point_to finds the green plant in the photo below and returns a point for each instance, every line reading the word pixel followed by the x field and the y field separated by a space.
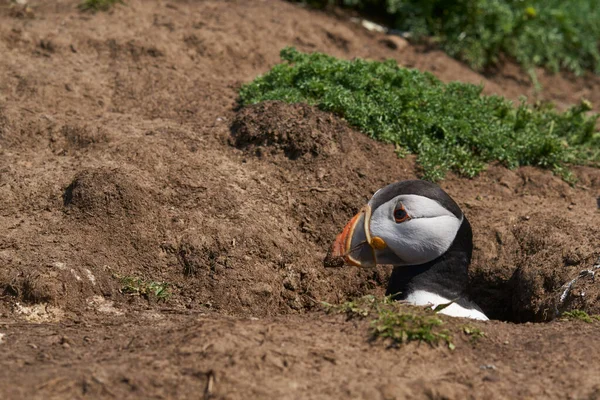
pixel 406 327
pixel 551 33
pixel 391 321
pixel 360 307
pixel 449 126
pixel 98 5
pixel 473 333
pixel 580 315
pixel 140 287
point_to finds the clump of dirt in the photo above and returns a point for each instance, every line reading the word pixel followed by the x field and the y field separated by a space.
pixel 3 123
pixel 75 137
pixel 56 283
pixel 194 259
pixel 297 130
pixel 106 192
pixel 38 287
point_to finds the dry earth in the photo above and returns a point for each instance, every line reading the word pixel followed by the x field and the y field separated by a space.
pixel 123 154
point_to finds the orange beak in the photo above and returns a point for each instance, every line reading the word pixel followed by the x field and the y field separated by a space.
pixel 343 241
pixel 355 246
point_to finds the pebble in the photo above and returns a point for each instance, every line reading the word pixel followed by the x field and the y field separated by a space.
pixel 394 42
pixel 372 26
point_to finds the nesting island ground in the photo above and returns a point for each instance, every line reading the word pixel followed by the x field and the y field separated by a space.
pixel 154 245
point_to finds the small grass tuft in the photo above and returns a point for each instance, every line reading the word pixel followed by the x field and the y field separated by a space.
pixel 473 333
pixel 580 315
pixel 98 5
pixel 140 287
pixel 390 321
pixel 361 307
pixel 404 327
pixel 449 126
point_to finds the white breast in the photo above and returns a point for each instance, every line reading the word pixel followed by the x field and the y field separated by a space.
pixel 424 298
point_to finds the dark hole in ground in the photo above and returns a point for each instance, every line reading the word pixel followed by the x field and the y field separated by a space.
pixel 537 292
pixel 544 268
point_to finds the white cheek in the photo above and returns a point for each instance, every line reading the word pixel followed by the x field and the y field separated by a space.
pixel 419 240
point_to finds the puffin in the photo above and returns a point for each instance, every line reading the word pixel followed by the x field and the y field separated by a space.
pixel 419 229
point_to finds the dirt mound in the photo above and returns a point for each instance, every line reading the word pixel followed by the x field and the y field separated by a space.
pixel 106 192
pixel 77 137
pixel 297 130
pixel 199 233
pixel 66 287
pixel 3 123
pixel 110 211
pixel 334 170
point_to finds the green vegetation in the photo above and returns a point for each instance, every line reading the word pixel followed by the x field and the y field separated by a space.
pixel 449 126
pixel 390 321
pixel 580 315
pixel 473 333
pixel 554 34
pixel 403 327
pixel 98 5
pixel 140 287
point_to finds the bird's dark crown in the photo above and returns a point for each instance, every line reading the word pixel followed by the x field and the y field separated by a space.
pixel 416 187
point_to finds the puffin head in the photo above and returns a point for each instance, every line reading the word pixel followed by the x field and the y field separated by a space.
pixel 406 223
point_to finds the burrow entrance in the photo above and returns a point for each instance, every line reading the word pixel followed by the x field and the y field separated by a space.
pixel 536 253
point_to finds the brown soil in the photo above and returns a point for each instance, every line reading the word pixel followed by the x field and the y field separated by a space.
pixel 123 155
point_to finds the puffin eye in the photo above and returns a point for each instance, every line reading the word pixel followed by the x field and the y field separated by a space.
pixel 400 214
